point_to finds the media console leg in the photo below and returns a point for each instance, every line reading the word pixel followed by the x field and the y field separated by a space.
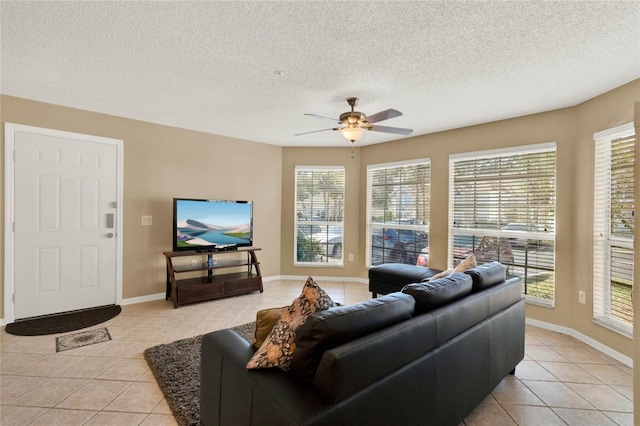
pixel 168 289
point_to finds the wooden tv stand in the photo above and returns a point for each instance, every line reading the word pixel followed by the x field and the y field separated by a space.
pixel 212 286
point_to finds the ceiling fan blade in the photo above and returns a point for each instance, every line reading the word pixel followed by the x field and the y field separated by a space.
pixel 396 130
pixel 383 115
pixel 324 118
pixel 315 131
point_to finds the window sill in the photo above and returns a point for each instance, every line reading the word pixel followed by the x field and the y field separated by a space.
pixel 545 303
pixel 318 265
pixel 619 329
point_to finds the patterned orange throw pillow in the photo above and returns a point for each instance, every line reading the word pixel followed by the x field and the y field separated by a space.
pixel 278 347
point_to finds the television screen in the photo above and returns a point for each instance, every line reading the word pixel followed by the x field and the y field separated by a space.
pixel 209 225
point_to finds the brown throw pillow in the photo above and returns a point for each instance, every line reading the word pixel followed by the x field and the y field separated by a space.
pixel 265 320
pixel 278 347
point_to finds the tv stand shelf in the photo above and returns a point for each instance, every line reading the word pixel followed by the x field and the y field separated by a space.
pixel 212 286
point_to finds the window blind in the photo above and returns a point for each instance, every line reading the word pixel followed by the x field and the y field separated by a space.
pixel 614 206
pixel 502 208
pixel 398 199
pixel 319 216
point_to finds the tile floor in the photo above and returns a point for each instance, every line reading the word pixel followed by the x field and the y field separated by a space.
pixel 561 380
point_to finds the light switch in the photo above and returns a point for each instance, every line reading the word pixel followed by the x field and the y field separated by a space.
pixel 582 297
pixel 147 220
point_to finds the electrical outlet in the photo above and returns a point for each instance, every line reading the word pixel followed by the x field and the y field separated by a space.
pixel 350 257
pixel 147 220
pixel 582 297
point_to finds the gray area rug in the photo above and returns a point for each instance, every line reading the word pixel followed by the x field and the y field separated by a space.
pixel 176 367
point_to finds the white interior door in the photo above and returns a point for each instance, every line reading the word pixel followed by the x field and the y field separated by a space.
pixel 65 219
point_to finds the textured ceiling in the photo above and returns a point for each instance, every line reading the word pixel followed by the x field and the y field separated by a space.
pixel 211 66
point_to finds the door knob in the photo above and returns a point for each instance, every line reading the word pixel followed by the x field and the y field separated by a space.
pixel 110 235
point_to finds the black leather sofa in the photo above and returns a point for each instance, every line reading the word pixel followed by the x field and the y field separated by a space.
pixel 425 356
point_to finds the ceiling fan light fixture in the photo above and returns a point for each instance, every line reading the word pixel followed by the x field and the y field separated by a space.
pixel 351 134
pixel 354 123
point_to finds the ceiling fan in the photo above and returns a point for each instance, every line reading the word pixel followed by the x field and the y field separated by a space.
pixel 354 123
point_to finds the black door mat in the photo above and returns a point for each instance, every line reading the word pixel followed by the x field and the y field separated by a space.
pixel 63 323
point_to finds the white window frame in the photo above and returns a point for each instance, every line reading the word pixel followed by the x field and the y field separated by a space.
pixel 499 233
pixel 326 259
pixel 370 225
pixel 603 241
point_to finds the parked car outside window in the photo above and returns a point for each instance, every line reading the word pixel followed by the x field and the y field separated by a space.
pixel 525 241
pixel 395 245
pixel 487 250
pixel 330 237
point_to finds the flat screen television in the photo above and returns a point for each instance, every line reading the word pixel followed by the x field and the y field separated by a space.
pixel 211 225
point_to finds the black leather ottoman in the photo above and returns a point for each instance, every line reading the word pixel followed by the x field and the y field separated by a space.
pixel 391 277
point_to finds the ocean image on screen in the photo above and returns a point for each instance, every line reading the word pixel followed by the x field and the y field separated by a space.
pixel 212 223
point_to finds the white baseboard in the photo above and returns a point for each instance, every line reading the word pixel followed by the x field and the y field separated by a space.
pixel 583 338
pixel 142 299
pixel 536 323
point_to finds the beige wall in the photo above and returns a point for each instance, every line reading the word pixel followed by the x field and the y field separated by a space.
pixel 162 162
pixel 603 112
pixel 570 128
pixel 153 177
pixel 292 157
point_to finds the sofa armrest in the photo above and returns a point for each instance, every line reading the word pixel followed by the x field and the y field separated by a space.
pixel 232 395
pixel 221 350
pixel 228 342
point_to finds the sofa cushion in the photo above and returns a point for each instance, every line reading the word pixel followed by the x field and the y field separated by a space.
pixel 331 328
pixel 279 345
pixel 435 293
pixel 486 275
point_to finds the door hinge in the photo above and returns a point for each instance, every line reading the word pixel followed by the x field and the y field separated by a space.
pixel 13 298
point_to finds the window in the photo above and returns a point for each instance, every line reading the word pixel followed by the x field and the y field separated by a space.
pixel 502 207
pixel 398 212
pixel 319 216
pixel 613 227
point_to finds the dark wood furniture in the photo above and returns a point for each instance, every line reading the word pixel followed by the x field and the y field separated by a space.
pixel 213 285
